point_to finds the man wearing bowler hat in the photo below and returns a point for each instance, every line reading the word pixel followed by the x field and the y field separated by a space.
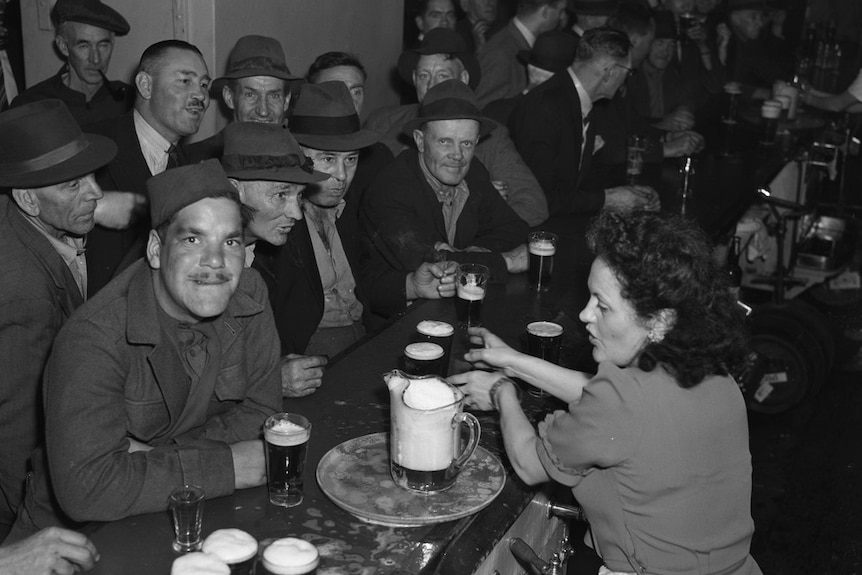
pixel 46 210
pixel 503 76
pixel 84 36
pixel 441 56
pixel 270 171
pixel 256 88
pixel 590 14
pixel 437 201
pixel 167 375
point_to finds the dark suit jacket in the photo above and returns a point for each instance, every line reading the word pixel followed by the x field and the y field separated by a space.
pixel 546 126
pixel 503 75
pixel 206 149
pixel 403 220
pixel 37 296
pixel 109 251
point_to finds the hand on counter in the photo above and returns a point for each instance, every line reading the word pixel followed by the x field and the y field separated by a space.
pixel 432 281
pixel 301 375
pixel 249 463
pixel 494 353
pixel 198 563
pixel 632 198
pixel 118 210
pixel 52 550
pixel 684 143
pixel 517 259
pixel 477 386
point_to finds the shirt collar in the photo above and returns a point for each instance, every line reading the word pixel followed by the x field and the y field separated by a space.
pixel 586 102
pixel 441 190
pixel 333 213
pixel 528 36
pixel 68 247
pixel 149 134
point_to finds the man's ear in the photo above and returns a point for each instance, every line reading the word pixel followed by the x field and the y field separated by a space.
pixel 62 45
pixel 239 189
pixel 154 250
pixel 227 96
pixel 465 77
pixel 144 85
pixel 419 138
pixel 28 201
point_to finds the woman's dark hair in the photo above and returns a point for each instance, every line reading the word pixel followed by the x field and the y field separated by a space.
pixel 664 261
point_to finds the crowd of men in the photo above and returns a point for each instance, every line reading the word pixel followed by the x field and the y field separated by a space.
pixel 160 299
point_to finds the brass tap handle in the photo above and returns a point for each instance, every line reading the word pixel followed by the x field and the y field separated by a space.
pixel 567 512
pixel 526 557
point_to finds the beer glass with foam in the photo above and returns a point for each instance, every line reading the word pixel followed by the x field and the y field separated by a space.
pixel 542 247
pixel 235 547
pixel 286 436
pixel 544 340
pixel 426 453
pixel 289 556
pixel 438 332
pixel 472 281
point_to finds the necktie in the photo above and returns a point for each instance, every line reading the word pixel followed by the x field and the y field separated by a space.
pixel 584 130
pixel 173 157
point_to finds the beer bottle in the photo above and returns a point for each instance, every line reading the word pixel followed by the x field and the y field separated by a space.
pixel 734 271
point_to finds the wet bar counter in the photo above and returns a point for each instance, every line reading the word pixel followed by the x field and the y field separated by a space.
pixel 353 402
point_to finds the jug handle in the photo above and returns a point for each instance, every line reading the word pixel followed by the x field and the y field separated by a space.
pixel 472 442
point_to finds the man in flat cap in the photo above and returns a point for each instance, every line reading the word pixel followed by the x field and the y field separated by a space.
pixel 441 56
pixel 84 36
pixel 503 76
pixel 256 88
pixel 438 201
pixel 269 169
pixel 171 96
pixel 47 164
pixel 167 375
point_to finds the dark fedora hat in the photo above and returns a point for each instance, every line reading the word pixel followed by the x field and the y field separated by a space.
pixel 174 189
pixel 450 100
pixel 593 7
pixel 257 151
pixel 41 144
pixel 255 56
pixel 553 51
pixel 326 119
pixel 440 41
pixel 665 27
pixel 748 5
pixel 90 12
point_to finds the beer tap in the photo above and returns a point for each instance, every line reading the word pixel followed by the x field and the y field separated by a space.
pixel 532 563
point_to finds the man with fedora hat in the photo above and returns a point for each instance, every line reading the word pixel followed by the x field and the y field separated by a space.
pixel 255 88
pixel 167 375
pixel 441 56
pixel 84 36
pixel 269 170
pixel 552 53
pixel 47 164
pixel 317 271
pixel 438 200
pixel 503 76
pixel 552 129
pixel 172 96
pixel 590 14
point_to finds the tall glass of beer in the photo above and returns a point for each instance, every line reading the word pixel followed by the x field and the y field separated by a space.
pixel 472 281
pixel 286 436
pixel 544 340
pixel 542 247
pixel 441 333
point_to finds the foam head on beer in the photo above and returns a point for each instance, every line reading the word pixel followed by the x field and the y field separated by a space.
pixel 283 432
pixel 424 351
pixel 230 545
pixel 545 329
pixel 290 556
pixel 471 292
pixel 429 393
pixel 435 328
pixel 542 247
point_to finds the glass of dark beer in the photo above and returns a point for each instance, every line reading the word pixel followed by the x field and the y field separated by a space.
pixel 438 332
pixel 472 281
pixel 423 358
pixel 544 340
pixel 286 436
pixel 542 247
pixel 235 547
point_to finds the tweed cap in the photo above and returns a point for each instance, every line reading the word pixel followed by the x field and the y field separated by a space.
pixel 90 12
pixel 174 189
pixel 41 145
pixel 257 151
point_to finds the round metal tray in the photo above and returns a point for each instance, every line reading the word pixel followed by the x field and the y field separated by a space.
pixel 355 476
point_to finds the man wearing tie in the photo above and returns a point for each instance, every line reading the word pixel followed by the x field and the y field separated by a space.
pixel 551 127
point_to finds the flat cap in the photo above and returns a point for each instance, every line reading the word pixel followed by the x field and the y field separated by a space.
pixel 90 12
pixel 174 189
